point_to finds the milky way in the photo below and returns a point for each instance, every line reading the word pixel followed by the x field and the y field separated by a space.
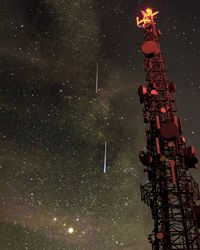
pixel 54 194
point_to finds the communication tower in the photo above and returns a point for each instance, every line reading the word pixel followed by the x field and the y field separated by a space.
pixel 171 192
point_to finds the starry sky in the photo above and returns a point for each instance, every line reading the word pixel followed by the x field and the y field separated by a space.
pixel 54 194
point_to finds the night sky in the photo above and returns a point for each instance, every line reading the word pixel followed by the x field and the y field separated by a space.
pixel 54 194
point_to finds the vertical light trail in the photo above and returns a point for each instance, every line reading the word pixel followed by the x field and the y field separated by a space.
pixel 97 78
pixel 105 159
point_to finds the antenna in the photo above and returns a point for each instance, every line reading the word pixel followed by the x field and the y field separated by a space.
pixel 148 17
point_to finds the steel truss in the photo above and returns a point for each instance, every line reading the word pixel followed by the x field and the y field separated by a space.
pixel 171 192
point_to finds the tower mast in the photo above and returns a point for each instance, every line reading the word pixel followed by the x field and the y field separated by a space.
pixel 171 192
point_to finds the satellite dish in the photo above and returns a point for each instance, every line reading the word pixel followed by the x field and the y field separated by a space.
pixel 150 48
pixel 169 131
pixel 160 235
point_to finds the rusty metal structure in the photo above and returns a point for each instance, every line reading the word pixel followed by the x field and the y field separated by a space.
pixel 171 192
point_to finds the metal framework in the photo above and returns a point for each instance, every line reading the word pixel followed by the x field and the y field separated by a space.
pixel 171 192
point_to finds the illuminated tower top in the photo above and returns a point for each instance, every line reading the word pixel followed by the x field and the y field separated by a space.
pixel 148 17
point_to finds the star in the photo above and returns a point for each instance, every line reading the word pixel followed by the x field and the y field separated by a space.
pixel 70 230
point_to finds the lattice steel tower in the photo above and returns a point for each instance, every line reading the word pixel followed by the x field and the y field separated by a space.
pixel 171 192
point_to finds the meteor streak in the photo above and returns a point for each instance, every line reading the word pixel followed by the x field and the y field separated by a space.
pixel 97 78
pixel 105 159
